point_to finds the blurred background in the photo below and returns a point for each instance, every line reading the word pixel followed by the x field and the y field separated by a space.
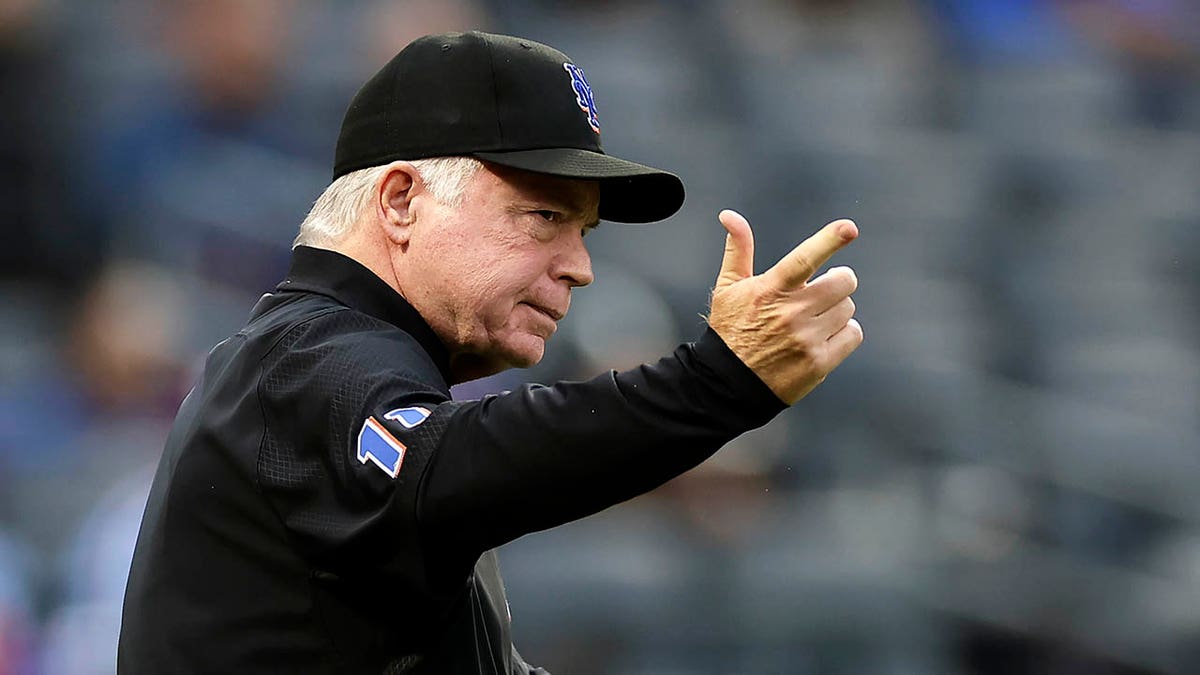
pixel 1004 479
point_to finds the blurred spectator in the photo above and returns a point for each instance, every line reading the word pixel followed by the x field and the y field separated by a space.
pixel 100 411
pixel 81 634
pixel 1005 32
pixel 391 24
pixel 726 502
pixel 17 634
pixel 37 207
pixel 1158 42
pixel 206 176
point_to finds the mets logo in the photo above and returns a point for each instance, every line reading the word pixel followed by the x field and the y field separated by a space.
pixel 583 94
pixel 377 445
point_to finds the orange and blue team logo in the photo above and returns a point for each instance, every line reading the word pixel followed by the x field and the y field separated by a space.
pixel 377 445
pixel 408 417
pixel 583 95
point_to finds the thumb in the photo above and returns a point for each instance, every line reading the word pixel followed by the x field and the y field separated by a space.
pixel 738 262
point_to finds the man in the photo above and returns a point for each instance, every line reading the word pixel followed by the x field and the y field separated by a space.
pixel 322 505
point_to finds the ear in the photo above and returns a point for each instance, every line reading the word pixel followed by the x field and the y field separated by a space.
pixel 394 200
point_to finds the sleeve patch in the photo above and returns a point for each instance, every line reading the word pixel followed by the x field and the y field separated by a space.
pixel 408 417
pixel 377 444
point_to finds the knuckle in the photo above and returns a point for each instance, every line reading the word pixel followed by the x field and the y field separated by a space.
pixel 759 302
pixel 823 365
pixel 802 263
pixel 807 355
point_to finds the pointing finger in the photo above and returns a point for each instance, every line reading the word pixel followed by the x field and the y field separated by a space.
pixel 738 262
pixel 798 266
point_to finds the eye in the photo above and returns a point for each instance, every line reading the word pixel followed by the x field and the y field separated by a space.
pixel 547 215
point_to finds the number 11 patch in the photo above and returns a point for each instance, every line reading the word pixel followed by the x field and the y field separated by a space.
pixel 377 444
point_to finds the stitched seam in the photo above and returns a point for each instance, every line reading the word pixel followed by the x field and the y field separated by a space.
pixel 495 98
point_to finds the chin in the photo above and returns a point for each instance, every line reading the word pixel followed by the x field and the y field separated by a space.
pixel 523 353
pixel 527 353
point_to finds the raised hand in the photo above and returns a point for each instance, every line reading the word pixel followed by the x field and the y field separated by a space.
pixel 789 328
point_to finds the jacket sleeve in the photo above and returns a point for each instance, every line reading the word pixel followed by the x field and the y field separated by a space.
pixel 541 456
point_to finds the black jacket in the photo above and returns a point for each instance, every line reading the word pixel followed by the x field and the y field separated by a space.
pixel 323 506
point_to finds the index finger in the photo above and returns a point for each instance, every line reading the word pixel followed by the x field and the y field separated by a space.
pixel 802 262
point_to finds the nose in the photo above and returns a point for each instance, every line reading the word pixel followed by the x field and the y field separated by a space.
pixel 575 263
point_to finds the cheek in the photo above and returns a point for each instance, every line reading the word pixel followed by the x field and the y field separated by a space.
pixel 482 296
pixel 478 280
pixel 486 295
pixel 499 292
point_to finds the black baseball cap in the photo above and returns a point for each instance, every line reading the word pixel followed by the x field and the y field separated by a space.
pixel 501 99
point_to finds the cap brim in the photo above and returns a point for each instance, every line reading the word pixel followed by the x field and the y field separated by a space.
pixel 629 192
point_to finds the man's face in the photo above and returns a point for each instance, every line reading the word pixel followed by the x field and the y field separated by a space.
pixel 494 275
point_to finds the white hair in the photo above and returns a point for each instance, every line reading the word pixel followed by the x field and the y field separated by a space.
pixel 340 206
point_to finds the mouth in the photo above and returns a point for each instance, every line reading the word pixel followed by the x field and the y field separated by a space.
pixel 553 314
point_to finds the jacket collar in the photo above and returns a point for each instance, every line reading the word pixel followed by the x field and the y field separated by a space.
pixel 347 281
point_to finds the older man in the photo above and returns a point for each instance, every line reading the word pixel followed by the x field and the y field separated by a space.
pixel 322 505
